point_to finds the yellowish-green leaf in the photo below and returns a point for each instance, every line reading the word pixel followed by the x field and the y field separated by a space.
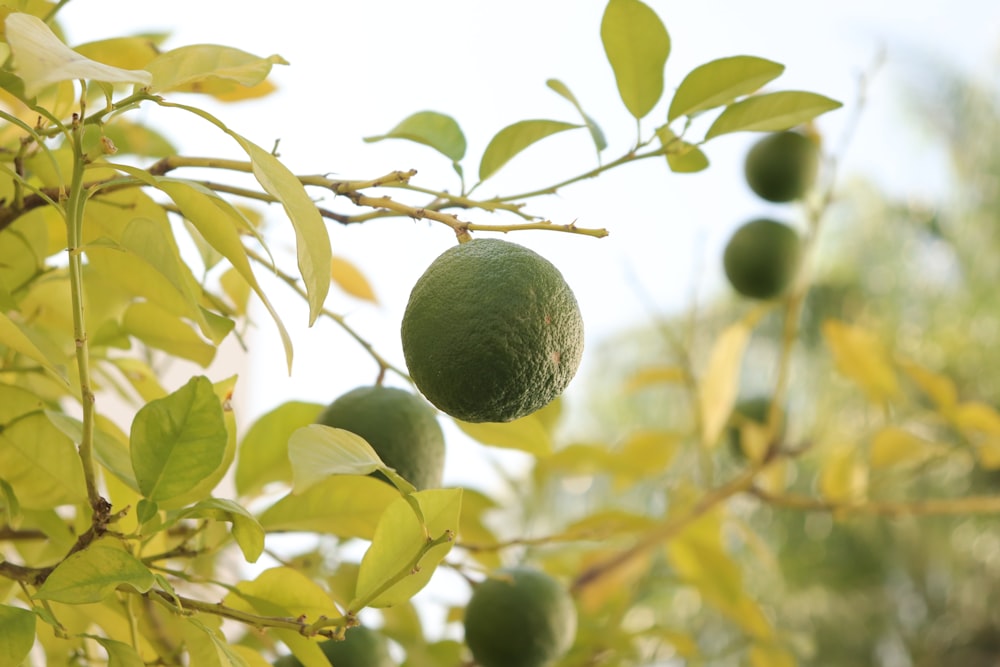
pixel 699 557
pixel 125 52
pixel 14 338
pixel 578 458
pixel 120 654
pixel 980 424
pixel 17 634
pixel 247 531
pixel 142 378
pixel 771 655
pixel 350 279
pixel 720 384
pixel 108 451
pixel 893 446
pixel 159 329
pixel 94 573
pixel 860 356
pixel 595 130
pixel 654 375
pixel 720 82
pixel 527 434
pixel 209 68
pixel 607 524
pixel 939 388
pixel 263 455
pixel 473 528
pixel 682 157
pixel 613 586
pixel 344 505
pixel 41 59
pixel 207 646
pixel 430 128
pixel 843 477
pixel 637 46
pixel 398 563
pixel 771 112
pixel 513 139
pixel 644 454
pixel 177 441
pixel 317 451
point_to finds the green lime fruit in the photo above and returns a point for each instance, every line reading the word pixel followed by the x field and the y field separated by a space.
pixel 400 426
pixel 761 258
pixel 361 647
pixel 521 617
pixel 491 332
pixel 782 166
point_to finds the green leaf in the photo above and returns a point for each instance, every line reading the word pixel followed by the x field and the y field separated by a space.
pixel 317 451
pixel 209 68
pixel 771 112
pixel 13 337
pixel 513 139
pixel 682 157
pixel 344 505
pixel 721 81
pixel 17 634
pixel 159 329
pixel 527 434
pixel 387 575
pixel 178 440
pixel 94 573
pixel 10 507
pixel 120 654
pixel 247 531
pixel 595 131
pixel 263 455
pixel 41 58
pixel 430 128
pixel 108 451
pixel 637 46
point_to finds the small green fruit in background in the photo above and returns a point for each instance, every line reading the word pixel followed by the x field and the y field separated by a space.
pixel 761 258
pixel 399 425
pixel 491 332
pixel 782 166
pixel 521 617
pixel 361 647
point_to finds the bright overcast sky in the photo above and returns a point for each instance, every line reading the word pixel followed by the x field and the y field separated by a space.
pixel 358 68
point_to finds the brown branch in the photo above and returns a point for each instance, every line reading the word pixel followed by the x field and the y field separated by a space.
pixel 14 535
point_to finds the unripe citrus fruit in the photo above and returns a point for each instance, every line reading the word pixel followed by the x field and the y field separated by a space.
pixel 399 425
pixel 491 332
pixel 361 647
pixel 782 166
pixel 761 258
pixel 522 617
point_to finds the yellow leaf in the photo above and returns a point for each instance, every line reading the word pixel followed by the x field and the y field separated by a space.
pixel 843 477
pixel 980 423
pixel 719 386
pixel 652 375
pixel 774 477
pixel 643 454
pixel 350 279
pixel 860 356
pixel 527 434
pixel 771 655
pixel 620 581
pixel 939 388
pixel 892 446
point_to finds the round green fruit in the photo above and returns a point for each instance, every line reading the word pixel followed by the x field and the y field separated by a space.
pixel 491 332
pixel 361 647
pixel 400 426
pixel 521 617
pixel 761 258
pixel 782 167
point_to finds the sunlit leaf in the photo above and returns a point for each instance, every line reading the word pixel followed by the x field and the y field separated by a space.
pixel 350 279
pixel 654 375
pixel 263 454
pixel 860 356
pixel 980 423
pixel 209 68
pixel 771 112
pixel 159 329
pixel 108 451
pixel 247 531
pixel 527 434
pixel 430 128
pixel 620 582
pixel 343 505
pixel 317 451
pixel 398 542
pixel 126 52
pixel 595 130
pixel 207 646
pixel 939 388
pixel 893 446
pixel 637 46
pixel 92 574
pixel 120 654
pixel 513 139
pixel 644 453
pixel 14 338
pixel 771 655
pixel 17 634
pixel 41 59
pixel 578 459
pixel 843 476
pixel 682 157
pixel 720 82
pixel 178 440
pixel 720 384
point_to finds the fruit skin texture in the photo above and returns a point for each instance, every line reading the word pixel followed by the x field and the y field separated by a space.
pixel 399 425
pixel 491 332
pixel 361 647
pixel 520 618
pixel 782 167
pixel 761 258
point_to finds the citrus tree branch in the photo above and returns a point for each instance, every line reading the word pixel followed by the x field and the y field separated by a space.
pixel 901 508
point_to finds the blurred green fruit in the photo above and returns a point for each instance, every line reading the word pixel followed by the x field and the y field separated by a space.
pixel 761 258
pixel 782 167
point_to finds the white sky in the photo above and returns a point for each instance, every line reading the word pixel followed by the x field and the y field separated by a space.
pixel 357 68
